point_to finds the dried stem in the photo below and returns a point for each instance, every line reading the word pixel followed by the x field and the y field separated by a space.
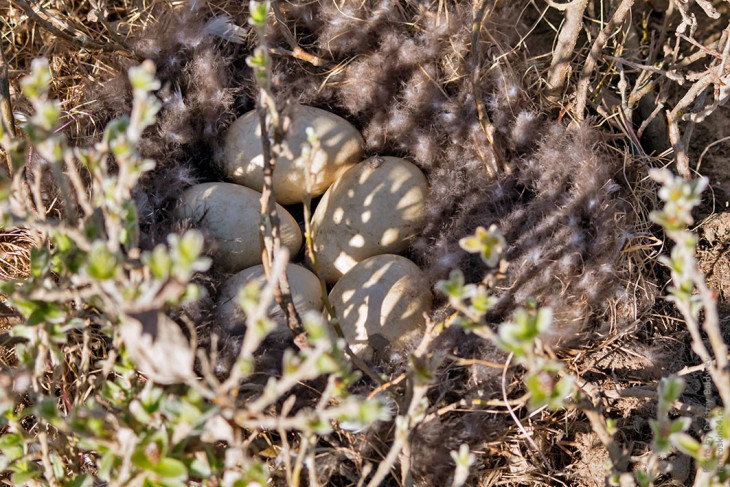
pixel 590 65
pixel 270 228
pixel 46 460
pixel 65 32
pixel 6 108
pixel 565 46
pixel 296 51
pixel 494 166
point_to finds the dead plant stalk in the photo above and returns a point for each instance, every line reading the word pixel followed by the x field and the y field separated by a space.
pixel 590 65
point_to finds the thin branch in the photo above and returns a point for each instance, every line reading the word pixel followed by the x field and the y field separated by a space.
pixel 296 51
pixel 497 164
pixel 590 65
pixel 565 47
pixel 270 228
pixel 6 108
pixel 66 33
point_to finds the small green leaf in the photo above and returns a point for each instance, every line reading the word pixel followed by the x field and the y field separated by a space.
pixel 258 12
pixel 142 77
pixel 687 445
pixel 40 261
pixel 453 288
pixel 22 478
pixel 115 129
pixel 256 475
pixel 326 364
pixel 36 84
pixel 8 440
pixel 670 388
pixel 679 425
pixel 58 467
pixel 158 261
pixel 80 481
pixel 101 263
pixel 171 468
pixel 315 327
pixel 643 478
pixel 199 467
pixel 47 114
pixel 248 297
pixel 490 244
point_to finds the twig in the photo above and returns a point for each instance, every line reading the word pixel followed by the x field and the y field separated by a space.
pixel 710 146
pixel 6 108
pixel 296 51
pixel 46 460
pixel 678 146
pixel 522 429
pixel 590 65
pixel 271 231
pixel 299 53
pixel 720 372
pixel 497 164
pixel 67 33
pixel 565 47
pixel 598 424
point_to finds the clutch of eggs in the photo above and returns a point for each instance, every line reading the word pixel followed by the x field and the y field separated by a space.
pixel 368 212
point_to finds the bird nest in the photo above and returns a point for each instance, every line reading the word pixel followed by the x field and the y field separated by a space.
pixel 460 92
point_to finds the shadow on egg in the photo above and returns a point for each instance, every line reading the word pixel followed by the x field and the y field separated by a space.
pixel 374 208
pixel 380 302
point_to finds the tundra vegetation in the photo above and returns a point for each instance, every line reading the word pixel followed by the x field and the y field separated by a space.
pixel 567 265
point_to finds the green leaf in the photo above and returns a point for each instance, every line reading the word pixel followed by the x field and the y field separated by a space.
pixel 37 312
pixel 687 445
pixel 158 261
pixel 191 246
pixel 199 467
pixel 142 77
pixel 57 464
pixel 101 263
pixel 359 413
pixel 315 327
pixel 114 130
pixel 661 443
pixel 8 440
pixel 248 297
pixel 454 287
pixel 258 12
pixel 171 468
pixel 47 114
pixel 481 302
pixel 319 426
pixel 519 337
pixel 130 231
pixel 326 364
pixel 679 425
pixel 80 481
pixel 22 478
pixel 259 60
pixel 490 244
pixel 643 478
pixel 670 388
pixel 36 84
pixel 256 475
pixel 108 461
pixel 47 410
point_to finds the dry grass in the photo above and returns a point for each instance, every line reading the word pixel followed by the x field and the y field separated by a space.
pixel 86 48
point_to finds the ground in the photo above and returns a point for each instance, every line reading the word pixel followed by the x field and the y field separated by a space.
pixel 469 103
